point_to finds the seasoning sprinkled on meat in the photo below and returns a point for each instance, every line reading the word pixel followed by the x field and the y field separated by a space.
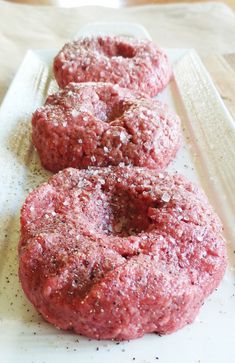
pixel 131 63
pixel 98 124
pixel 117 252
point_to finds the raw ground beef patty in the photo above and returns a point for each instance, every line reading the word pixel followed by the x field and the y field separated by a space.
pixel 113 253
pixel 99 124
pixel 131 63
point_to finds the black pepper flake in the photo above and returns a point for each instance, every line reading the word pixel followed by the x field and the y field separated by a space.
pixel 157 358
pixel 97 348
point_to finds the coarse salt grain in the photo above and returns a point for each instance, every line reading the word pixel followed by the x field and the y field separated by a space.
pixel 199 238
pixel 75 113
pixel 121 164
pixel 172 240
pixel 106 150
pixel 123 137
pixel 166 197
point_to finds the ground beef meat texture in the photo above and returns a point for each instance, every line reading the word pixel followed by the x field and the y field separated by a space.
pixel 117 252
pixel 100 124
pixel 131 63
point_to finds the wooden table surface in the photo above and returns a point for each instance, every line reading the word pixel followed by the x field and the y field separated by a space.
pixel 221 67
pixel 231 3
pixel 113 3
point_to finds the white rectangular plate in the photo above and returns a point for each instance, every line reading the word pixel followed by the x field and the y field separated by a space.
pixel 206 157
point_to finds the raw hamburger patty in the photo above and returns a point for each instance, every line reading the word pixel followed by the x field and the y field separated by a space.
pixel 113 253
pixel 99 124
pixel 131 63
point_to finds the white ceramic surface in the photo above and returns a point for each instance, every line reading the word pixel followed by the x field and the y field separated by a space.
pixel 206 157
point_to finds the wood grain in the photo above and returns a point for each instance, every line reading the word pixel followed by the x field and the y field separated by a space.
pixel 117 3
pixel 230 3
pixel 220 67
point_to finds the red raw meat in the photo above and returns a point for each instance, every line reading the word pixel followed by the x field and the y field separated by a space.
pixel 135 64
pixel 99 124
pixel 114 253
